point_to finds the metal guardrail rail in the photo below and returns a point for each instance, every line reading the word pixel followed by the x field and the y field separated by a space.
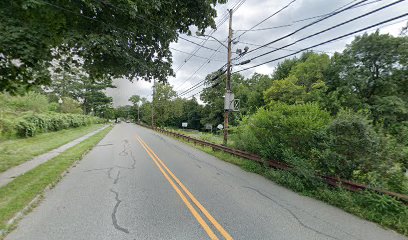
pixel 332 181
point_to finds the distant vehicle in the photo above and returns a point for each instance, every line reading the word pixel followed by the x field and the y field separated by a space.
pixel 127 121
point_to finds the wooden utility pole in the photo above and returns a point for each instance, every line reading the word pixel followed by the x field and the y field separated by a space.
pixel 228 80
pixel 138 112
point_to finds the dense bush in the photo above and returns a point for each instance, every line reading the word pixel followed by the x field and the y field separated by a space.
pixel 306 137
pixel 351 144
pixel 31 125
pixel 283 132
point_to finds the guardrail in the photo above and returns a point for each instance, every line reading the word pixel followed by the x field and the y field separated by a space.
pixel 332 181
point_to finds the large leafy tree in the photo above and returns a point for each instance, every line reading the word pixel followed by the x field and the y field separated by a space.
pixel 164 104
pixel 304 82
pixel 76 84
pixel 371 74
pixel 110 38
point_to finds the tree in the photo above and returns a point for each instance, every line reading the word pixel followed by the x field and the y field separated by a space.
pixel 305 81
pixel 69 105
pixel 74 83
pixel 213 98
pixel 109 38
pixel 371 73
pixel 164 105
pixel 135 99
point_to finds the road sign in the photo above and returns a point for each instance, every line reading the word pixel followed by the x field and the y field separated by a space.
pixel 184 124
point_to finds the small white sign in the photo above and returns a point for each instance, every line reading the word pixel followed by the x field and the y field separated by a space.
pixel 220 126
pixel 184 124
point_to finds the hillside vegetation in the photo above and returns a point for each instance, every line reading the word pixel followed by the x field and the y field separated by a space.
pixel 33 113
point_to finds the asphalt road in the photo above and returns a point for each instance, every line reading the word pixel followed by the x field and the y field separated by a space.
pixel 138 184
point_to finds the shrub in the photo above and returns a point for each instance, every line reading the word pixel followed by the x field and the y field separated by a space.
pixel 283 132
pixel 351 144
pixel 33 124
pixel 26 128
pixel 7 127
pixel 69 105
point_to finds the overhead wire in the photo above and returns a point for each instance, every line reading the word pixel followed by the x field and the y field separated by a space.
pixel 235 8
pixel 198 56
pixel 330 28
pixel 308 25
pixel 265 19
pixel 220 23
pixel 198 69
pixel 327 41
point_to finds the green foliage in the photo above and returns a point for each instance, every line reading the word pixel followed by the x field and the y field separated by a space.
pixel 371 74
pixel 285 90
pixel 36 32
pixel 304 81
pixel 69 105
pixel 31 125
pixel 31 101
pixel 352 145
pixel 283 131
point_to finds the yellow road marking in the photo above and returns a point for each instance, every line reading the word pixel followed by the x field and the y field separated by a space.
pixel 207 229
pixel 218 226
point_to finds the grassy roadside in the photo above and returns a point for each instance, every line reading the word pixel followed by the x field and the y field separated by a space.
pixel 19 193
pixel 17 151
pixel 205 136
pixel 380 209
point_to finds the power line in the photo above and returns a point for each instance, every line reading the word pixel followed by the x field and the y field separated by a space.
pixel 307 25
pixel 213 86
pixel 305 19
pixel 222 21
pixel 235 8
pixel 201 45
pixel 201 83
pixel 270 16
pixel 325 42
pixel 285 49
pixel 330 28
pixel 198 56
pixel 323 15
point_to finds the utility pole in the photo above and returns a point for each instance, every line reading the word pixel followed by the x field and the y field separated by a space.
pixel 228 80
pixel 138 112
pixel 154 89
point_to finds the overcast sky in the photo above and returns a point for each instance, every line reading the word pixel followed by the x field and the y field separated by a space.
pixel 249 14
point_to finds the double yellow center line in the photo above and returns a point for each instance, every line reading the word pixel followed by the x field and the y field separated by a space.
pixel 172 179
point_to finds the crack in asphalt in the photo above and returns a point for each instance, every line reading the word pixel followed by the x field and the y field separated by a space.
pixel 109 173
pixel 117 178
pixel 126 152
pixel 96 169
pixel 125 148
pixel 104 145
pixel 114 212
pixel 291 213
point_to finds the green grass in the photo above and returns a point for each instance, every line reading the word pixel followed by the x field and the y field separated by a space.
pixel 18 194
pixel 17 151
pixel 380 209
pixel 209 137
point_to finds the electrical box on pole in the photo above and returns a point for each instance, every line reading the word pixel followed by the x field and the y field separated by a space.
pixel 228 101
